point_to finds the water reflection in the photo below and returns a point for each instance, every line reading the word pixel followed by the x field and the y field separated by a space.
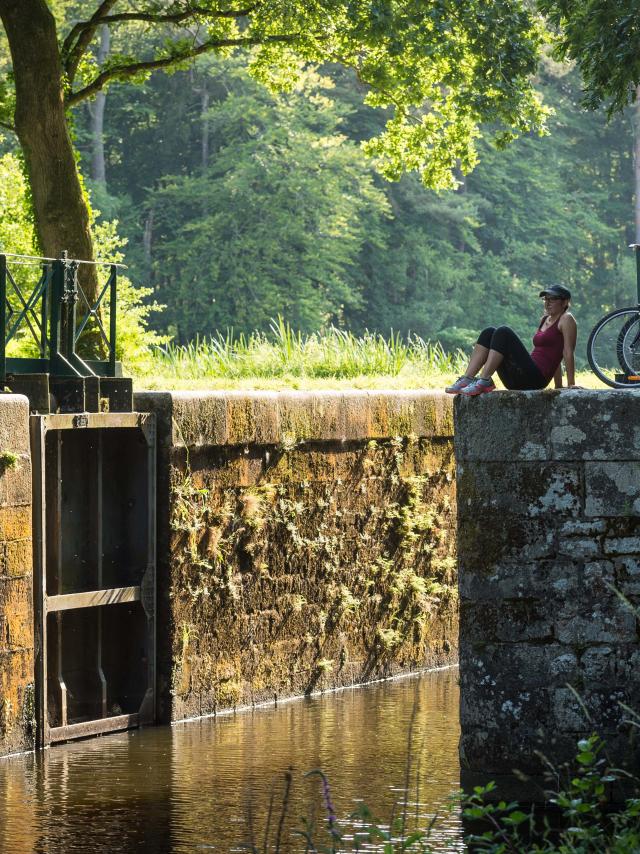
pixel 207 785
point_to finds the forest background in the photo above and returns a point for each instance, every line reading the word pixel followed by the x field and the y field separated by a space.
pixel 232 205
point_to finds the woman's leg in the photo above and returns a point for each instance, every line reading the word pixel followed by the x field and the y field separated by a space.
pixel 480 352
pixel 514 365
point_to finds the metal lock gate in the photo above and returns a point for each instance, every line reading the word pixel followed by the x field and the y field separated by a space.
pixel 94 591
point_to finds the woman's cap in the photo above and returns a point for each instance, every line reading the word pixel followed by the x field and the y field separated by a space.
pixel 556 291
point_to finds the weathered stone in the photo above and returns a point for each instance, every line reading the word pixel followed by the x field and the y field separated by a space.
pixel 577 527
pixel 15 482
pixel 595 425
pixel 627 576
pixel 579 548
pixel 612 622
pixel 14 425
pixel 550 603
pixel 200 419
pixel 522 432
pixel 16 558
pixel 305 563
pixel 621 546
pixel 533 488
pixel 16 578
pixel 544 579
pixel 505 538
pixel 611 488
pixel 15 523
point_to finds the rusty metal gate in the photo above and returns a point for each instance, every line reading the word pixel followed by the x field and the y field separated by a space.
pixel 94 545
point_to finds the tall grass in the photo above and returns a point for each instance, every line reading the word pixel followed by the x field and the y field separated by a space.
pixel 287 353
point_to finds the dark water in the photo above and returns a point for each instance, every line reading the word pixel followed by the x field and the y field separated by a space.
pixel 206 785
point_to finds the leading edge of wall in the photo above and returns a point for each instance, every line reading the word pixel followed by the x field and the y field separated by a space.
pixel 17 712
pixel 305 541
pixel 549 574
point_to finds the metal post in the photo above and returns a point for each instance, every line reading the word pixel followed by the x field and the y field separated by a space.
pixel 70 297
pixel 44 305
pixel 3 319
pixel 57 287
pixel 112 320
pixel 637 251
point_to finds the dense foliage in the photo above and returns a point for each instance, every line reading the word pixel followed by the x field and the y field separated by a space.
pixel 604 38
pixel 240 204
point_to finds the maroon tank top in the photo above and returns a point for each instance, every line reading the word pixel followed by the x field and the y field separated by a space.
pixel 548 345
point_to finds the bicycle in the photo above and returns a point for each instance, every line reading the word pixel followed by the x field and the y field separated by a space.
pixel 613 348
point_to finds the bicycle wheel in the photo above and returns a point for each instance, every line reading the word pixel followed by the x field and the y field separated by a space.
pixel 613 348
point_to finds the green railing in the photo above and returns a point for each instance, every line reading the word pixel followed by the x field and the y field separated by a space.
pixel 52 315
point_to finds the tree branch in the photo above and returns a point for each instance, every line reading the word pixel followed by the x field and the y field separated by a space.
pixel 80 38
pixel 84 31
pixel 121 72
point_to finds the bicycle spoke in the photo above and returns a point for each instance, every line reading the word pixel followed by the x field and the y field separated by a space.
pixel 614 348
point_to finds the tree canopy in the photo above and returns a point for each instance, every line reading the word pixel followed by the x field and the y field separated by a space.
pixel 603 37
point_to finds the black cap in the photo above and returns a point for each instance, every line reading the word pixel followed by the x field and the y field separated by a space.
pixel 556 291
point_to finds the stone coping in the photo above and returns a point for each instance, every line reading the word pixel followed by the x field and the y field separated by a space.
pixel 572 424
pixel 289 418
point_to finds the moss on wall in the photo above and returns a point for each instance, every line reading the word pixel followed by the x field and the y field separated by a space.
pixel 302 566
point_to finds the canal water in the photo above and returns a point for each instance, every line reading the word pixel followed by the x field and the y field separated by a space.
pixel 220 784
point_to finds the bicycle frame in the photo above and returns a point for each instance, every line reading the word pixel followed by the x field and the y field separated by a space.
pixel 636 249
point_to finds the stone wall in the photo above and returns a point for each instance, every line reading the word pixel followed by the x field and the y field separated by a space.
pixel 549 571
pixel 305 541
pixel 16 578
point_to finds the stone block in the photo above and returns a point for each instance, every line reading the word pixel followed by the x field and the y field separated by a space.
pixel 532 488
pixel 14 424
pixel 15 482
pixel 266 418
pixel 508 620
pixel 16 558
pixel 612 488
pixel 15 523
pixel 16 608
pixel 578 548
pixel 580 528
pixel 356 416
pixel 524 620
pixel 503 427
pixel 627 576
pixel 199 419
pixel 238 420
pixel 601 665
pixel 595 425
pixel 507 538
pixel 588 622
pixel 161 404
pixel 577 711
pixel 518 580
pixel 510 669
pixel 621 546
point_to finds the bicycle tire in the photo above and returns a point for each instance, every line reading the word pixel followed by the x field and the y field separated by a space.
pixel 621 345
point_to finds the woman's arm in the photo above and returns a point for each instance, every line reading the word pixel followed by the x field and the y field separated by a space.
pixel 557 377
pixel 569 329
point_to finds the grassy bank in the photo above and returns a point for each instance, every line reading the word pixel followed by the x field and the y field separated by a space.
pixel 287 359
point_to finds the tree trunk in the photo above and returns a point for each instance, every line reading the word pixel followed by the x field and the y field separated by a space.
pixel 60 208
pixel 96 111
pixel 205 124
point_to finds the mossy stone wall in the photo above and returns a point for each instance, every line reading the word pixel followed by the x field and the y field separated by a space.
pixel 549 572
pixel 305 541
pixel 16 578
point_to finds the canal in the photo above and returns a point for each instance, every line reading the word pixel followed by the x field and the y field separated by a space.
pixel 219 784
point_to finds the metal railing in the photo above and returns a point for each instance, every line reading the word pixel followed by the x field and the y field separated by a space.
pixel 45 317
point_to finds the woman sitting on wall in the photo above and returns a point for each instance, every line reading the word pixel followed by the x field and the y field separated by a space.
pixel 501 350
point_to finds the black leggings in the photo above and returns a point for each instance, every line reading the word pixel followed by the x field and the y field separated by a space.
pixel 517 370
